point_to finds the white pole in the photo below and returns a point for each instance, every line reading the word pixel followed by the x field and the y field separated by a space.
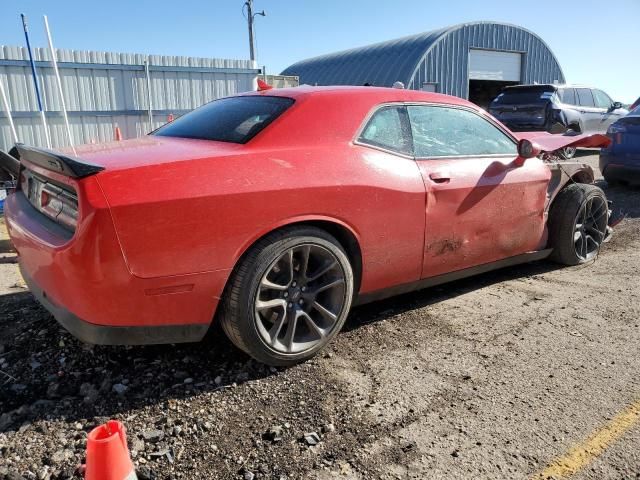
pixel 47 137
pixel 254 82
pixel 55 68
pixel 149 96
pixel 7 110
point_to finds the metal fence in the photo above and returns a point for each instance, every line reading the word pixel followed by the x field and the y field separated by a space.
pixel 103 90
pixel 281 81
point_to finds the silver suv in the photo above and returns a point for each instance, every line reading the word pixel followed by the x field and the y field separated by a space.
pixel 556 109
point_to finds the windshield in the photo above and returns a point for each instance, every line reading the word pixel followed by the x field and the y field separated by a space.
pixel 519 96
pixel 232 119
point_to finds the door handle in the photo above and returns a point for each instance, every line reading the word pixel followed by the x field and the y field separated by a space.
pixel 440 177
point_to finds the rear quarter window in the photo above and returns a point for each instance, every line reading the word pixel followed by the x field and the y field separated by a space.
pixel 387 129
pixel 232 119
pixel 567 96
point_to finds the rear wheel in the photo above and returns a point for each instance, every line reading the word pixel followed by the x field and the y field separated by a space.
pixel 289 296
pixel 578 222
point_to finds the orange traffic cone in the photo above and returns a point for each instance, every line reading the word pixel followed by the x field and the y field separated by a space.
pixel 117 133
pixel 108 454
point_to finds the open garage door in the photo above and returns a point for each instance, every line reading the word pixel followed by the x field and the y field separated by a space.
pixel 490 71
pixel 494 65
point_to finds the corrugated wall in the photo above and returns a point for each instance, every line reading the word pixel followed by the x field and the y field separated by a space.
pixel 281 81
pixel 103 89
pixel 446 63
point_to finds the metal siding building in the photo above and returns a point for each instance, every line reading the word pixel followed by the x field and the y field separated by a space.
pixel 440 61
pixel 105 89
pixel 280 81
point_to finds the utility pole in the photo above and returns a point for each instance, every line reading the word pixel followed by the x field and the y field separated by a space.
pixel 250 19
pixel 252 53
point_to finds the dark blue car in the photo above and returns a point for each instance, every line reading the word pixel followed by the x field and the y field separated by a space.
pixel 620 161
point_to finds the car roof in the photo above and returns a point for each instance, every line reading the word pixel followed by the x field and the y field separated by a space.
pixel 375 94
pixel 555 86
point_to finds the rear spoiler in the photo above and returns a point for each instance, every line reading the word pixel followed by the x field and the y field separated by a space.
pixel 9 164
pixel 49 159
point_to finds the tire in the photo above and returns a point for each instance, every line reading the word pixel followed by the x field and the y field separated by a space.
pixel 273 267
pixel 578 220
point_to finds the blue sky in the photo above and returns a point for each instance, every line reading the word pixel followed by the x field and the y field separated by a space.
pixel 596 42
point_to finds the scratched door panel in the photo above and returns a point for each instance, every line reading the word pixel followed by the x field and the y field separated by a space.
pixel 489 209
pixel 480 205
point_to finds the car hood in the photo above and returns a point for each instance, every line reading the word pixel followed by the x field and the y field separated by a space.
pixel 548 142
pixel 150 150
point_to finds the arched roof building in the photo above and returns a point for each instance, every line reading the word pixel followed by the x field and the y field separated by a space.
pixel 470 60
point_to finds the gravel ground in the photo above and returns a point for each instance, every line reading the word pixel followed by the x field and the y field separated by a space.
pixel 490 377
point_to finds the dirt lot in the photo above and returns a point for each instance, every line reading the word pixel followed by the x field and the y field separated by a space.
pixel 491 377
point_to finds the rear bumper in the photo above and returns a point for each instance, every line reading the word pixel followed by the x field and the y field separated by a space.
pixel 524 124
pixel 82 278
pixel 110 335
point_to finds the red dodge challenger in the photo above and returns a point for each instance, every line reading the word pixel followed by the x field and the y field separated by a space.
pixel 274 212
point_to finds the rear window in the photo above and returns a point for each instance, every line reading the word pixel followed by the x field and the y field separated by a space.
pixel 233 119
pixel 521 96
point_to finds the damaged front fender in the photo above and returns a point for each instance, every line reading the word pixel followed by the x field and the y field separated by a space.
pixel 549 143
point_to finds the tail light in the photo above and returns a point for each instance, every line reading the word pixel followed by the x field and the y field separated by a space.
pixel 58 203
pixel 616 128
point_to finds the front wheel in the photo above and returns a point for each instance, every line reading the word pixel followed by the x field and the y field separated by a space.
pixel 578 221
pixel 289 296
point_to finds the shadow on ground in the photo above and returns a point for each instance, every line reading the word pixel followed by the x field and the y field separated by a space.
pixel 383 309
pixel 6 247
pixel 47 374
pixel 625 199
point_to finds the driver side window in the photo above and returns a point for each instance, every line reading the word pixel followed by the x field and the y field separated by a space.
pixel 448 132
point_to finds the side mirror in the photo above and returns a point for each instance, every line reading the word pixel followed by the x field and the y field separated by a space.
pixel 526 149
pixel 616 106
